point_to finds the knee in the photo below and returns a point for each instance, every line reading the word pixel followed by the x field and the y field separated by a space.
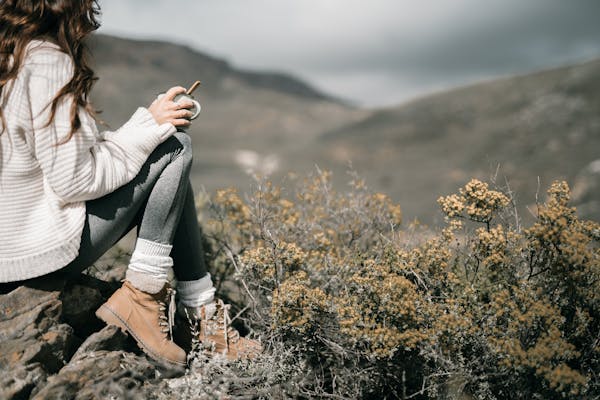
pixel 186 146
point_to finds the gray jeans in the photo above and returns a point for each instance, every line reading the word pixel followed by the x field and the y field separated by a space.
pixel 159 201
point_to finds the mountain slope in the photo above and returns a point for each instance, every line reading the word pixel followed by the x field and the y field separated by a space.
pixel 545 125
pixel 266 113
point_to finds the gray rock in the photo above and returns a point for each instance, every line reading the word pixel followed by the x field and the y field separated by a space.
pixel 103 368
pixel 80 302
pixel 18 383
pixel 100 375
pixel 40 352
pixel 110 338
pixel 586 191
pixel 31 330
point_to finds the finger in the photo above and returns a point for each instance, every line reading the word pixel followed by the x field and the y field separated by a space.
pixel 178 105
pixel 178 110
pixel 185 104
pixel 174 91
pixel 181 122
pixel 183 113
pixel 172 105
pixel 179 114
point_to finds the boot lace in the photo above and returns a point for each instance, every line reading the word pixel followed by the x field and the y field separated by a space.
pixel 167 313
pixel 224 321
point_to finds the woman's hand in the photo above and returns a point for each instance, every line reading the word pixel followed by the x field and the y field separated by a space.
pixel 164 109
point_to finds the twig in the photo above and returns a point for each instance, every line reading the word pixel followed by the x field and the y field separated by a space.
pixel 243 310
pixel 232 259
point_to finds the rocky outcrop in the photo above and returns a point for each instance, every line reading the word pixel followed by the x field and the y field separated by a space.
pixel 98 370
pixel 53 347
pixel 586 191
pixel 34 342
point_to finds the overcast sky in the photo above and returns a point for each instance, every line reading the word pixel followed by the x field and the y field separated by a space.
pixel 372 52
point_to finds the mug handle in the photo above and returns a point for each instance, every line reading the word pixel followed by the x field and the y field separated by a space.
pixel 198 108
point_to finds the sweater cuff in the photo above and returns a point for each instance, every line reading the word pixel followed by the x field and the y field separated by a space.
pixel 141 134
pixel 143 118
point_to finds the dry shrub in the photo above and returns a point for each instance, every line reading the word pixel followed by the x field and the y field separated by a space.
pixel 350 306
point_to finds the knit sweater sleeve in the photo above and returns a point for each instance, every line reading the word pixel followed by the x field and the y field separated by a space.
pixel 83 167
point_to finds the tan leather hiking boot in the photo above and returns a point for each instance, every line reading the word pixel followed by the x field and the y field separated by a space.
pixel 145 317
pixel 212 329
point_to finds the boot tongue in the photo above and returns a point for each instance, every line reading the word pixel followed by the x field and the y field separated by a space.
pixel 210 310
pixel 171 310
pixel 166 299
pixel 196 313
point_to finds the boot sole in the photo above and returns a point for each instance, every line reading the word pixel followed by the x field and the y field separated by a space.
pixel 111 318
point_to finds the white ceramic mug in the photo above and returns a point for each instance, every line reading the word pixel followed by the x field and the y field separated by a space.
pixel 197 107
pixel 195 110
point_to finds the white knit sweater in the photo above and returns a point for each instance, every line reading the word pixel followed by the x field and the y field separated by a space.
pixel 44 184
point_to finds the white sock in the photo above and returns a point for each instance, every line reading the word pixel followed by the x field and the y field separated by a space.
pixel 149 265
pixel 195 294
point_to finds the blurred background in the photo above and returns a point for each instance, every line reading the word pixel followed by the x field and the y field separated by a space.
pixel 416 97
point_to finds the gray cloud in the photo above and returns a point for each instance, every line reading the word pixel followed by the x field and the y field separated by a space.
pixel 377 52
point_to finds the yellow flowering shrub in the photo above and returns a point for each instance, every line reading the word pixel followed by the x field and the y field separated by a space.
pixel 299 307
pixel 380 309
pixel 367 308
pixel 475 202
pixel 526 334
pixel 531 294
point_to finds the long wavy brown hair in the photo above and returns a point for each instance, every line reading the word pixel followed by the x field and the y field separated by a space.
pixel 65 22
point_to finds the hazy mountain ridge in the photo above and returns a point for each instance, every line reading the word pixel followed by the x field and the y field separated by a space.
pixel 543 124
pixel 182 61
pixel 264 113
